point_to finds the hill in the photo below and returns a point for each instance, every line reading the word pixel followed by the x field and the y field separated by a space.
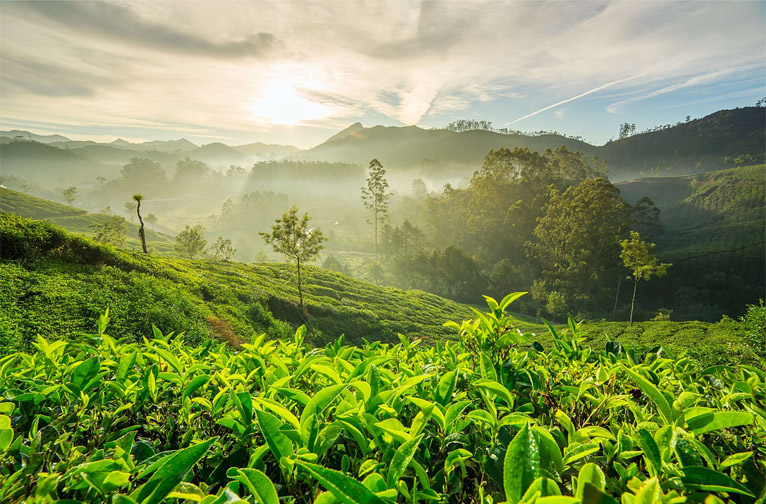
pixel 48 165
pixel 696 146
pixel 266 151
pixel 715 236
pixel 411 146
pixel 55 283
pixel 77 220
pixel 26 135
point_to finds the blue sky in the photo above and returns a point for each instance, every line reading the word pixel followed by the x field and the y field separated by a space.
pixel 296 72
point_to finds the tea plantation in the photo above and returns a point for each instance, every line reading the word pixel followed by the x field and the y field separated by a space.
pixel 487 419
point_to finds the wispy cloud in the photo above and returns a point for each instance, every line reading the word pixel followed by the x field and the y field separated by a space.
pixel 586 93
pixel 235 66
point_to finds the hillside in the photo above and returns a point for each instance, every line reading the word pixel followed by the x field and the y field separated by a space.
pixel 76 220
pixel 692 147
pixel 715 235
pixel 49 166
pixel 695 146
pixel 55 283
pixel 410 146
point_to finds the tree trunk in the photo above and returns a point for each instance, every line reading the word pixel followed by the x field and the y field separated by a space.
pixel 300 290
pixel 617 296
pixel 141 232
pixel 633 301
pixel 376 234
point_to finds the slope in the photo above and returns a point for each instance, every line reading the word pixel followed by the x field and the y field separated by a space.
pixel 55 284
pixel 695 146
pixel 77 220
pixel 715 234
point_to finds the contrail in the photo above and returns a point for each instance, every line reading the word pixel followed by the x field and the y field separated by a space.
pixel 586 93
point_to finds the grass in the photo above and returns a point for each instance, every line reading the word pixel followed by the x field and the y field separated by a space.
pixel 53 283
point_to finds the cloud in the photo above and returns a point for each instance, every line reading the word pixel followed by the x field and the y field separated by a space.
pixel 119 23
pixel 224 66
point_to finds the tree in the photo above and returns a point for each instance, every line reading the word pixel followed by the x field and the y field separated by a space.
pixel 151 219
pixel 637 256
pixel 111 231
pixel 70 193
pixel 101 180
pixel 191 241
pixel 292 237
pixel 222 249
pixel 375 197
pixel 627 129
pixel 130 208
pixel 577 240
pixel 141 231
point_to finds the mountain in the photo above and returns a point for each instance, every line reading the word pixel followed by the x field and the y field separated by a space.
pixel 193 297
pixel 714 235
pixel 411 146
pixel 696 146
pixel 217 153
pixel 120 143
pixel 182 145
pixel 26 135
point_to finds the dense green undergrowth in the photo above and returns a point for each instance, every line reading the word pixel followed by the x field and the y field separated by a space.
pixel 487 419
pixel 53 282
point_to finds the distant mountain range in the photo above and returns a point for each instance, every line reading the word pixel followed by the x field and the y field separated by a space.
pixel 709 143
pixel 692 147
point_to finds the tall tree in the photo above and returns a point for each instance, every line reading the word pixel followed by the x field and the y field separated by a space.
pixel 637 256
pixel 130 207
pixel 375 197
pixel 70 193
pixel 291 236
pixel 141 232
pixel 151 219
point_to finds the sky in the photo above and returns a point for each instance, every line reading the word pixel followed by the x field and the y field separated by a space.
pixel 295 73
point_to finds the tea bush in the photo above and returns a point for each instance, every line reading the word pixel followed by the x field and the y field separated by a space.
pixel 486 419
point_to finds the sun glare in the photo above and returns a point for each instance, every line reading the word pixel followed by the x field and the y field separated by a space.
pixel 281 103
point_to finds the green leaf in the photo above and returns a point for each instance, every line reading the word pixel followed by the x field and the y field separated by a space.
pixel 170 474
pixel 345 489
pixel 649 493
pixel 85 371
pixel 654 394
pixel 195 384
pixel 651 451
pixel 709 421
pixel 592 495
pixel 401 460
pixel 445 388
pixel 321 400
pixel 522 464
pixel 496 388
pixel 257 483
pixel 702 478
pixel 730 461
pixel 279 444
pixel 590 474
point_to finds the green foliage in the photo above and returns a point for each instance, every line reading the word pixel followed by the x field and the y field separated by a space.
pixel 375 197
pixel 52 283
pixel 70 193
pixel 111 231
pixel 191 241
pixel 222 249
pixel 103 419
pixel 292 237
pixel 754 328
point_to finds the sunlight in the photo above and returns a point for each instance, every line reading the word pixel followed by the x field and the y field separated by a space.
pixel 281 103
